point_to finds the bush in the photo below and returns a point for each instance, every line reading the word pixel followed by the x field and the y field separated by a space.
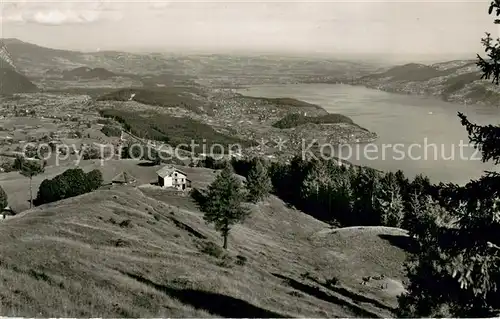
pixel 241 260
pixel 212 163
pixel 94 152
pixel 72 182
pixel 332 281
pixel 111 131
pixel 94 180
pixel 127 223
pixel 8 166
pixel 212 249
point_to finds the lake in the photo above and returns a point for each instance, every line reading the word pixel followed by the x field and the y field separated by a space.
pixel 416 134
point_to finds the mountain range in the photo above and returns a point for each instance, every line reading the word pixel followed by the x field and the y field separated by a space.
pixel 454 81
pixel 457 81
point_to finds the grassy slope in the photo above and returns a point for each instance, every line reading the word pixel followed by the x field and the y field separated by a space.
pixel 412 72
pixel 70 259
pixel 17 187
pixel 13 82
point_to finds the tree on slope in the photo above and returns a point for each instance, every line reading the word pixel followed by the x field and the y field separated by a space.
pixel 458 274
pixel 3 200
pixel 258 182
pixel 94 180
pixel 365 184
pixel 28 168
pixel 389 202
pixel 223 203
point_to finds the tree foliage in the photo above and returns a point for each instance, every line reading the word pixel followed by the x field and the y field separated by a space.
pixel 389 201
pixel 28 168
pixel 258 182
pixel 3 199
pixel 338 194
pixel 72 182
pixel 456 271
pixel 223 203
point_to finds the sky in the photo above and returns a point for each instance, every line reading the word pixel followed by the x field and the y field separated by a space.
pixel 396 28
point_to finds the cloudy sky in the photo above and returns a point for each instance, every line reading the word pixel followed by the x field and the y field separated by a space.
pixel 389 27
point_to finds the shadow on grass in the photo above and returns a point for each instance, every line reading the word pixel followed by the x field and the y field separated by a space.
pixel 403 242
pixel 190 230
pixel 221 305
pixel 147 164
pixel 199 197
pixel 354 296
pixel 318 293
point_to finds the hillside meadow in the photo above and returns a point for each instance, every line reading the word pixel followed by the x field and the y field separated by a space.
pixel 142 252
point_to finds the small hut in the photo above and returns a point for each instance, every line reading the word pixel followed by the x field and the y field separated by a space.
pixel 123 178
pixel 7 212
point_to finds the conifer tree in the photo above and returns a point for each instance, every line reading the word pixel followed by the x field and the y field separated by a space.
pixel 223 203
pixel 3 199
pixel 365 184
pixel 458 272
pixel 28 168
pixel 341 197
pixel 258 182
pixel 389 202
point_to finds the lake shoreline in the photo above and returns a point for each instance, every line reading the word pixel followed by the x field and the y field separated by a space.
pixel 357 135
pixel 399 119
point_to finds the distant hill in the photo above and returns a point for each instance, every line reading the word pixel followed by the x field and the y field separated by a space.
pixel 167 97
pixel 454 81
pixel 32 58
pixel 173 69
pixel 412 72
pixel 296 119
pixel 18 48
pixel 88 73
pixel 35 59
pixel 13 82
pixel 6 58
pixel 292 105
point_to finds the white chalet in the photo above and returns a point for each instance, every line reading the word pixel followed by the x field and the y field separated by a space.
pixel 170 176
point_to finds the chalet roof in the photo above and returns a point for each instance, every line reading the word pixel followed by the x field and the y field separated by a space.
pixel 8 210
pixel 168 170
pixel 124 177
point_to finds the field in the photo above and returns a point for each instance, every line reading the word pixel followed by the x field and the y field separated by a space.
pixel 17 186
pixel 170 129
pixel 138 252
pixel 166 97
